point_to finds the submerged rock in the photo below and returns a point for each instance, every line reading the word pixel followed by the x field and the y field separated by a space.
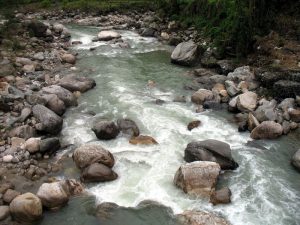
pixel 267 130
pixel 98 172
pixel 201 218
pixel 193 124
pixel 106 130
pixel 88 154
pixel 198 178
pixel 26 208
pixel 210 150
pixel 185 54
pixel 143 140
pixel 129 127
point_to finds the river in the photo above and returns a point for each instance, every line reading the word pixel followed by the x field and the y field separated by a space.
pixel 265 187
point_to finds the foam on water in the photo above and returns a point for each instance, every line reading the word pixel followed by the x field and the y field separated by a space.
pixel 262 192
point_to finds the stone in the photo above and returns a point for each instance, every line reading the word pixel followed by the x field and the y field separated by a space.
pixel 4 212
pixel 32 145
pixel 88 154
pixel 108 35
pixel 17 142
pixel 231 88
pixel 50 121
pixel 286 104
pixel 24 61
pixel 106 130
pixel 296 160
pixel 73 83
pixel 232 105
pixel 252 122
pixel 49 145
pixel 24 131
pixel 210 150
pixel 197 178
pixel 55 104
pixel 53 195
pixel 266 111
pixel 286 89
pixel 143 140
pixel 38 28
pixel 222 196
pixel 267 130
pixel 202 95
pixel 185 54
pixel 148 32
pixel 241 74
pixel 286 127
pixel 294 115
pixel 128 127
pixel 7 158
pixel 98 172
pixel 193 124
pixel 247 101
pixel 25 113
pixel 9 195
pixel 63 94
pixel 29 68
pixel 201 218
pixel 39 56
pixel 68 58
pixel 26 208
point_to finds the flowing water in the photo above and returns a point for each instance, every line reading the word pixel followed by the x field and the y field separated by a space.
pixel 266 188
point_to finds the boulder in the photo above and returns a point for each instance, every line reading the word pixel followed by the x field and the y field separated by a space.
pixel 55 104
pixel 252 122
pixel 53 195
pixel 29 68
pixel 32 145
pixel 266 111
pixel 26 208
pixel 38 28
pixel 7 158
pixel 222 196
pixel 210 150
pixel 98 172
pixel 9 195
pixel 267 130
pixel 286 104
pixel 241 74
pixel 24 131
pixel 24 61
pixel 106 130
pixel 50 121
pixel 63 94
pixel 294 115
pixel 49 145
pixel 247 102
pixel 148 32
pixel 197 178
pixel 68 58
pixel 202 95
pixel 25 113
pixel 232 105
pixel 143 140
pixel 107 35
pixel 186 54
pixel 201 218
pixel 231 88
pixel 128 127
pixel 4 212
pixel 39 56
pixel 193 124
pixel 88 154
pixel 296 160
pixel 73 83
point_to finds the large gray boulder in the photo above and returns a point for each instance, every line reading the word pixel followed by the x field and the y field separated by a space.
pixel 98 172
pixel 88 154
pixel 267 130
pixel 50 121
pixel 201 218
pixel 54 103
pixel 185 54
pixel 106 130
pixel 202 95
pixel 63 94
pixel 296 160
pixel 197 178
pixel 26 208
pixel 74 83
pixel 210 150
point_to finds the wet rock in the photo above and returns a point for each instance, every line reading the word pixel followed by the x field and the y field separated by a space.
pixel 128 127
pixel 9 195
pixel 50 121
pixel 201 218
pixel 210 150
pixel 185 54
pixel 26 208
pixel 241 74
pixel 179 99
pixel 76 42
pixel 68 58
pixel 213 105
pixel 49 145
pixel 24 131
pixel 267 130
pixel 242 126
pixel 97 172
pixel 106 130
pixel 143 140
pixel 88 154
pixel 294 115
pixel 53 195
pixel 4 212
pixel 108 35
pixel 38 28
pixel 193 124
pixel 66 96
pixel 222 196
pixel 247 101
pixel 197 178
pixel 202 95
pixel 32 145
pixel 252 122
pixel 266 111
pixel 296 160
pixel 148 32
pixel 286 127
pixel 73 83
pixel 55 104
